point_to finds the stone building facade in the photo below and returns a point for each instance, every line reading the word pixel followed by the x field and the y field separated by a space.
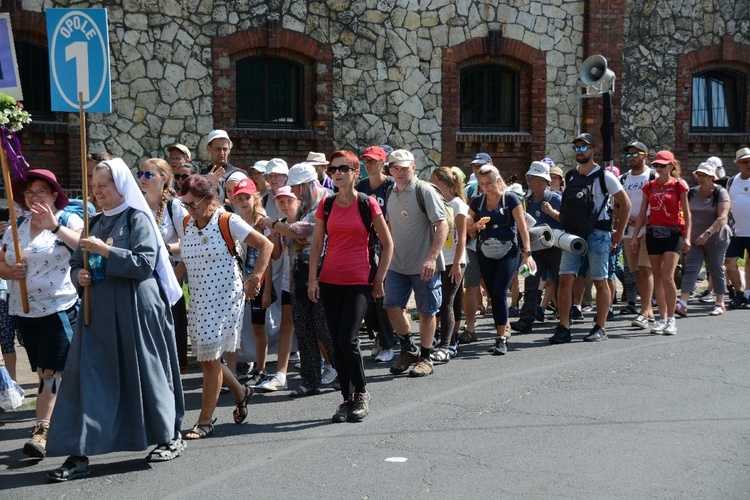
pixel 390 71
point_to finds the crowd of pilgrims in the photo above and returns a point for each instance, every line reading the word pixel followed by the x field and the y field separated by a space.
pixel 300 256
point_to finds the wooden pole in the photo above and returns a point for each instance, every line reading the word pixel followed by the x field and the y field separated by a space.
pixel 13 225
pixel 85 196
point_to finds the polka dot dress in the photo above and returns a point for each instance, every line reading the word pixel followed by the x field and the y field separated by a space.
pixel 216 297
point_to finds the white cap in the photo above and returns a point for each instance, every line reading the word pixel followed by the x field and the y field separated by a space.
pixel 219 134
pixel 400 158
pixel 707 168
pixel 715 161
pixel 260 166
pixel 539 169
pixel 277 166
pixel 301 173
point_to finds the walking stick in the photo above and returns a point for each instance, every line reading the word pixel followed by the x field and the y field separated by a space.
pixel 85 196
pixel 13 225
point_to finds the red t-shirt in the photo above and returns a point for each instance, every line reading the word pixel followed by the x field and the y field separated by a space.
pixel 664 202
pixel 347 261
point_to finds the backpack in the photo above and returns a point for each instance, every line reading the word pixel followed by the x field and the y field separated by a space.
pixel 75 206
pixel 225 233
pixel 715 194
pixel 421 187
pixel 374 247
pixel 578 213
pixel 221 187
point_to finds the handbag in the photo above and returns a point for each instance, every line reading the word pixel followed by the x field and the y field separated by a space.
pixel 492 248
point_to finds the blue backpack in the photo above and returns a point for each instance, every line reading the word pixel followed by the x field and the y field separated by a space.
pixel 75 206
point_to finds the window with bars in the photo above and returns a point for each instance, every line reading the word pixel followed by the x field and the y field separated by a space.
pixel 489 99
pixel 33 67
pixel 719 101
pixel 269 93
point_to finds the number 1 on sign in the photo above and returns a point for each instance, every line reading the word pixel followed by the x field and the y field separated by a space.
pixel 79 52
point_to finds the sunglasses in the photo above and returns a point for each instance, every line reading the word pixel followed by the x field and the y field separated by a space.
pixel 95 157
pixel 193 205
pixel 581 149
pixel 659 165
pixel 343 169
pixel 633 155
pixel 147 175
pixel 181 177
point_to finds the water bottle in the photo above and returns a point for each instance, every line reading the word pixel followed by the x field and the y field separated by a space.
pixel 97 266
pixel 525 271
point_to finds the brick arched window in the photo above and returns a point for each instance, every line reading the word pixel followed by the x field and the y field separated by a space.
pixel 270 93
pixel 719 101
pixel 489 98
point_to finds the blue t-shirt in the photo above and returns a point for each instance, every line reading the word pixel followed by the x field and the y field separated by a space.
pixel 378 193
pixel 502 225
pixel 534 209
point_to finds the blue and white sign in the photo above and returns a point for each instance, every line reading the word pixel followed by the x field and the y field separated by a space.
pixel 79 59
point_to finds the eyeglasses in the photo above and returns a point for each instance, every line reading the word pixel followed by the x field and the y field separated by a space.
pixel 193 205
pixel 581 149
pixel 633 155
pixel 181 177
pixel 147 175
pixel 39 194
pixel 343 169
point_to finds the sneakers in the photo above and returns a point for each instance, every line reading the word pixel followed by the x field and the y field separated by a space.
pixel 521 326
pixel 513 312
pixel 576 314
pixel 501 347
pixel 272 384
pixel 641 321
pixel 342 412
pixel 376 350
pixel 257 378
pixel 611 315
pixel 384 356
pixel 718 310
pixel 36 447
pixel 707 297
pixel 659 326
pixel 423 368
pixel 670 327
pixel 597 334
pixel 739 301
pixel 681 309
pixel 405 360
pixel 467 337
pixel 360 406
pixel 628 309
pixel 561 335
pixel 329 375
pixel 73 468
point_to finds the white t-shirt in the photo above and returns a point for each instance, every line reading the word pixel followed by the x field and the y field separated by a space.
pixel 739 196
pixel 613 187
pixel 449 250
pixel 633 188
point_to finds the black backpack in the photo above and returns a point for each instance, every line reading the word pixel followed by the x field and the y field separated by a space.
pixel 374 247
pixel 578 213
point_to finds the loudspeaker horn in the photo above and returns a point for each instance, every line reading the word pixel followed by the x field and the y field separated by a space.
pixel 594 71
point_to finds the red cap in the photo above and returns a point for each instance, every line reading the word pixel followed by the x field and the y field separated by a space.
pixel 374 152
pixel 663 158
pixel 245 186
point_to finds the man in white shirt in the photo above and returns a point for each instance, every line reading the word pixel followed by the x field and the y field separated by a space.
pixel 739 197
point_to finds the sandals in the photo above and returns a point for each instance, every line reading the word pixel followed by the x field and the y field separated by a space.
pixel 201 431
pixel 440 355
pixel 167 451
pixel 72 468
pixel 240 410
pixel 303 392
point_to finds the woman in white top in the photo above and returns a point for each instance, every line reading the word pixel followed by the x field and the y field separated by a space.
pixel 454 254
pixel 47 239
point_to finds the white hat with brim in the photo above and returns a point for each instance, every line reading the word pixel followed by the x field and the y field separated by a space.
pixel 219 134
pixel 742 154
pixel 706 168
pixel 277 166
pixel 301 173
pixel 539 169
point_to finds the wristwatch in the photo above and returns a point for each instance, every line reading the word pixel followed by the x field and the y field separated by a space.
pixel 528 252
pixel 57 228
pixel 273 224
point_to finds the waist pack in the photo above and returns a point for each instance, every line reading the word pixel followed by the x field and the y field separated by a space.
pixel 663 231
pixel 492 248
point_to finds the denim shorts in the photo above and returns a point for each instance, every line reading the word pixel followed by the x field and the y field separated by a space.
pixel 427 294
pixel 598 256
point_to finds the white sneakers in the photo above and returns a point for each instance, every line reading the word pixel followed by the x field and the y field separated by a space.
pixel 384 356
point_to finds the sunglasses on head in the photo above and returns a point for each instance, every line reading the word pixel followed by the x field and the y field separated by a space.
pixel 147 175
pixel 95 157
pixel 181 177
pixel 343 169
pixel 581 149
pixel 633 155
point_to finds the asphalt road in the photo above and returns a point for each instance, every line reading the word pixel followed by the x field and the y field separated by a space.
pixel 637 416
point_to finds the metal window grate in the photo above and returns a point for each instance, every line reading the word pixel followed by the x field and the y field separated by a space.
pixel 490 98
pixel 269 93
pixel 33 66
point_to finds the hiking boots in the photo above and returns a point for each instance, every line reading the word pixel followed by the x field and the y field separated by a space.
pixel 423 368
pixel 405 360
pixel 36 447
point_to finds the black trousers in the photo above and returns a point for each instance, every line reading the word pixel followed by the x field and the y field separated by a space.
pixel 546 260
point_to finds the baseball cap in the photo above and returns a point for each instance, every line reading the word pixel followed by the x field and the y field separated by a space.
pixel 388 150
pixel 301 173
pixel 707 168
pixel 245 186
pixel 663 158
pixel 260 166
pixel 587 138
pixel 219 134
pixel 742 154
pixel 481 158
pixel 400 158
pixel 374 152
pixel 539 169
pixel 182 148
pixel 316 158
pixel 637 145
pixel 285 191
pixel 549 162
pixel 715 161
pixel 277 166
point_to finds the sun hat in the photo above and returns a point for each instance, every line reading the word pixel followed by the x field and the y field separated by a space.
pixel 260 166
pixel 314 158
pixel 219 134
pixel 539 169
pixel 706 168
pixel 45 175
pixel 277 166
pixel 742 154
pixel 301 173
pixel 182 149
pixel 556 171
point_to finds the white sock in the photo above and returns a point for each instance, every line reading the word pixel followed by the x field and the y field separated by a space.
pixel 281 376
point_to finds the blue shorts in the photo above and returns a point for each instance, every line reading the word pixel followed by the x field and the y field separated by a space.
pixel 597 255
pixel 738 245
pixel 427 294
